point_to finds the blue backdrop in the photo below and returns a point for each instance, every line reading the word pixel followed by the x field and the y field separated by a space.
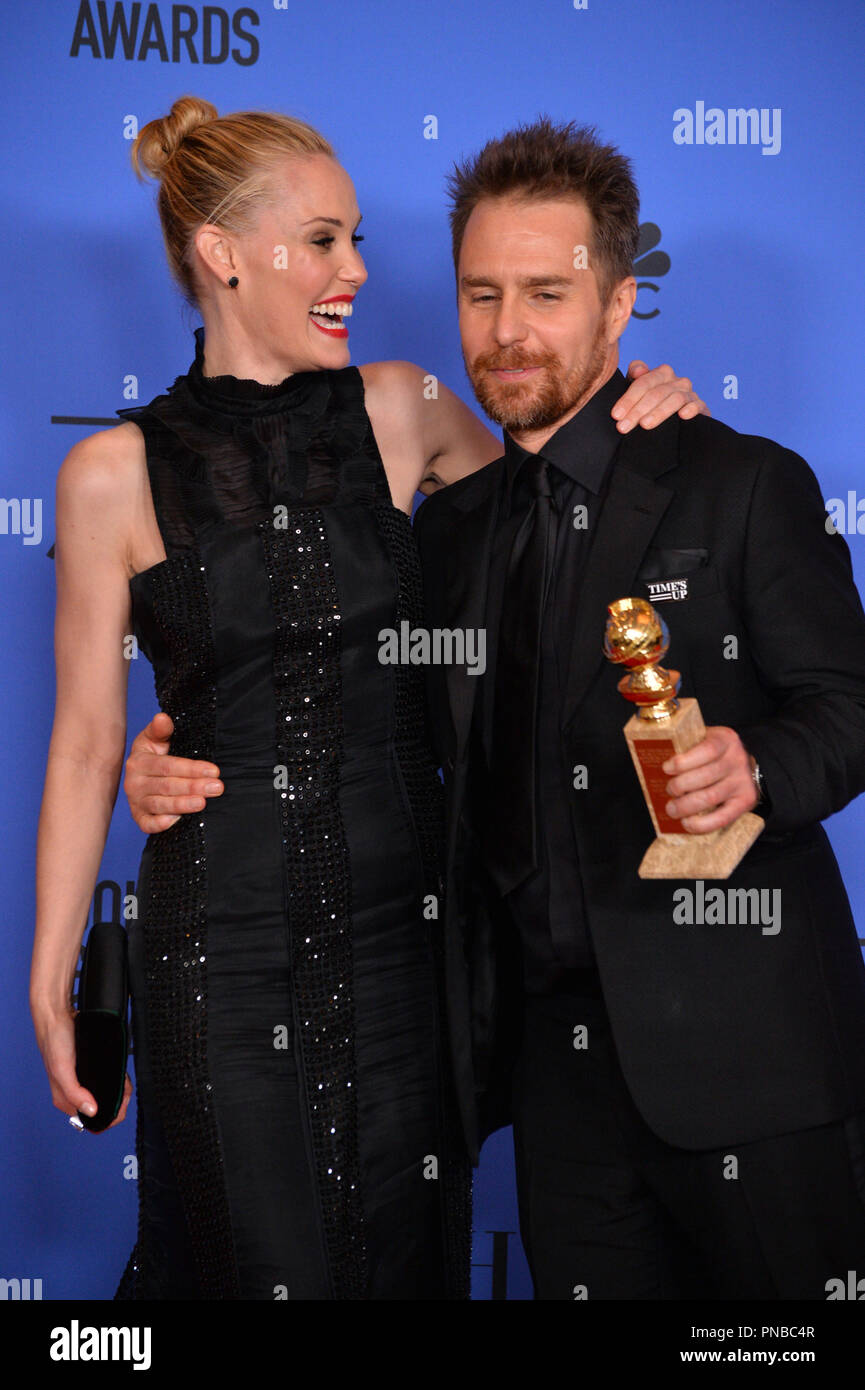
pixel 752 251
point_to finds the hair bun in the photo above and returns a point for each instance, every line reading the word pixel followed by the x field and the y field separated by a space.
pixel 157 141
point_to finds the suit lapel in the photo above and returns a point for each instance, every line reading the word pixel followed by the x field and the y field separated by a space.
pixel 629 517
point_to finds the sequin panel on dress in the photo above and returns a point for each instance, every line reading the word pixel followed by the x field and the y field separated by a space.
pixel 174 918
pixel 309 742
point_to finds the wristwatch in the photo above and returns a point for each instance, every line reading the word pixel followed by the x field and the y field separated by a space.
pixel 759 784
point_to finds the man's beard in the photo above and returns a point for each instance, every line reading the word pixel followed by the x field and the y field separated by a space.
pixel 539 401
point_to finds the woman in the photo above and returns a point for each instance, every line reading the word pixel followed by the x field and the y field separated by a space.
pixel 296 1128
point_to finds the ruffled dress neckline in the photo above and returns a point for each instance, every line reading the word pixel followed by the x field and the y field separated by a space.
pixel 246 396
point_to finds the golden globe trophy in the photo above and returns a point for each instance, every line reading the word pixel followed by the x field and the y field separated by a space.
pixel 637 638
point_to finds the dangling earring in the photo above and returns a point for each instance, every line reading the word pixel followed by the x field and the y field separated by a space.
pixel 232 284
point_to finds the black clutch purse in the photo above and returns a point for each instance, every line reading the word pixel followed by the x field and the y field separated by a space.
pixel 101 1034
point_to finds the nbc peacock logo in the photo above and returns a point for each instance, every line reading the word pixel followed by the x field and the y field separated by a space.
pixel 649 263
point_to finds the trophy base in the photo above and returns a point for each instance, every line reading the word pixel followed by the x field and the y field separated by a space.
pixel 713 855
pixel 675 853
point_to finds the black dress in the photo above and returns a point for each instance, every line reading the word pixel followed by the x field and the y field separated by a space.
pixel 296 1130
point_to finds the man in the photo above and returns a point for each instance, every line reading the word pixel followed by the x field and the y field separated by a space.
pixel 687 1095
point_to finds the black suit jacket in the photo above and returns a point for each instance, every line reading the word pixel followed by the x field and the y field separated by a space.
pixel 725 1033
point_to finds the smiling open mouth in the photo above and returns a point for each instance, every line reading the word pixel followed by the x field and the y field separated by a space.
pixel 329 316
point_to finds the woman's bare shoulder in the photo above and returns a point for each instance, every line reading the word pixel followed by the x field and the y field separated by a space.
pixel 107 465
pixel 393 387
pixel 396 372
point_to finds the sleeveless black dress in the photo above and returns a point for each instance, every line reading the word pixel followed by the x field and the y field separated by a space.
pixel 297 1135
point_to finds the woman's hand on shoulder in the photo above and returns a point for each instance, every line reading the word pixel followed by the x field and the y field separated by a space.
pixel 656 393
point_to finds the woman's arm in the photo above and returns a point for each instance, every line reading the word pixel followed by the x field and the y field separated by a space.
pixel 429 438
pixel 88 739
pixel 426 435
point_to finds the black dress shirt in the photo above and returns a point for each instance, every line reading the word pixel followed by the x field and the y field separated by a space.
pixel 548 906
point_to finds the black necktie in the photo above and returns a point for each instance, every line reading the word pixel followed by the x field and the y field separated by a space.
pixel 511 816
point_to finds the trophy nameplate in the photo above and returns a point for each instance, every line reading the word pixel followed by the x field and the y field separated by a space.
pixel 637 638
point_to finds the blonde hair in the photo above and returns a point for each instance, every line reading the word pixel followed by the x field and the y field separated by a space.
pixel 214 168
